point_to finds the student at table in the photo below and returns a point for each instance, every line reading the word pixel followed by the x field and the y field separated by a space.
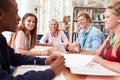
pixel 64 26
pixel 89 37
pixel 9 20
pixel 54 35
pixel 108 54
pixel 25 37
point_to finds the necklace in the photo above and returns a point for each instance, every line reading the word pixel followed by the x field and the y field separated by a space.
pixel 108 46
pixel 27 41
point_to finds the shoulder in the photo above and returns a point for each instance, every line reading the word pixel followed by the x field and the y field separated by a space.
pixel 60 32
pixel 95 31
pixel 81 30
pixel 48 33
pixel 20 32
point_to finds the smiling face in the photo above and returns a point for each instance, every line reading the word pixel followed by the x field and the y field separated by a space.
pixel 111 20
pixel 29 23
pixel 53 26
pixel 83 22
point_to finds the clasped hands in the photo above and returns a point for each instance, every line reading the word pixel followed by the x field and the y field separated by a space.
pixel 57 63
pixel 75 47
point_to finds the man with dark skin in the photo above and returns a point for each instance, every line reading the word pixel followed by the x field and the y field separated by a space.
pixel 9 20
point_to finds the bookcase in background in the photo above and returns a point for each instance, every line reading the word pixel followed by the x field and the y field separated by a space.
pixel 96 15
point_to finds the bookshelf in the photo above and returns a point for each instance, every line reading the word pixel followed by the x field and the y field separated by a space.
pixel 96 15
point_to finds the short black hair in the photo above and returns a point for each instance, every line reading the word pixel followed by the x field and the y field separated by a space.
pixel 4 5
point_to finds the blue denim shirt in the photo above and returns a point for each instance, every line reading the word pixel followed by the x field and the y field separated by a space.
pixel 94 38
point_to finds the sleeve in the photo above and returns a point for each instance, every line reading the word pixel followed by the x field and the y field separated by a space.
pixel 97 40
pixel 44 38
pixel 19 59
pixel 30 75
pixel 20 41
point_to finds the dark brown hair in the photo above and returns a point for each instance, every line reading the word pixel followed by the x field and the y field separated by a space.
pixel 5 5
pixel 64 20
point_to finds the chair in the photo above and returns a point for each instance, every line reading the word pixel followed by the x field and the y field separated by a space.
pixel 39 36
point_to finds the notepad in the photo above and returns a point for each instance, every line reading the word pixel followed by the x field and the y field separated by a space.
pixel 84 64
pixel 40 48
pixel 93 69
pixel 77 60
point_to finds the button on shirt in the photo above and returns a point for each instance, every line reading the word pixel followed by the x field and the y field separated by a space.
pixel 91 39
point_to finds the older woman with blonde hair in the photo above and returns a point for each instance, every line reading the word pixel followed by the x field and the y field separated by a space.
pixel 54 35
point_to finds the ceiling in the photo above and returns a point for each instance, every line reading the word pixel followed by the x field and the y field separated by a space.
pixel 90 3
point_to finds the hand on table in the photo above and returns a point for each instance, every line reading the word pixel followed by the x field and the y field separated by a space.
pixel 58 65
pixel 49 44
pixel 98 59
pixel 74 47
pixel 51 59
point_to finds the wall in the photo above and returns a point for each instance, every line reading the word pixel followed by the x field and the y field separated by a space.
pixel 46 10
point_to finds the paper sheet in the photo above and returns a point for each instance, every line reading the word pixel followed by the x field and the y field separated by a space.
pixel 25 68
pixel 93 69
pixel 77 60
pixel 40 48
pixel 83 64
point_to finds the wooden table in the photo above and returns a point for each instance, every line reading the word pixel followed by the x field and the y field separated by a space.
pixel 69 76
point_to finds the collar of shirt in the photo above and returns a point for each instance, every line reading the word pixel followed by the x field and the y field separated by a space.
pixel 86 32
pixel 56 35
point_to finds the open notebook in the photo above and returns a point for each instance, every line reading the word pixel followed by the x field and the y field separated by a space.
pixel 84 64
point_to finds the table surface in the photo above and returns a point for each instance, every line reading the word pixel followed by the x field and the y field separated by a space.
pixel 69 76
